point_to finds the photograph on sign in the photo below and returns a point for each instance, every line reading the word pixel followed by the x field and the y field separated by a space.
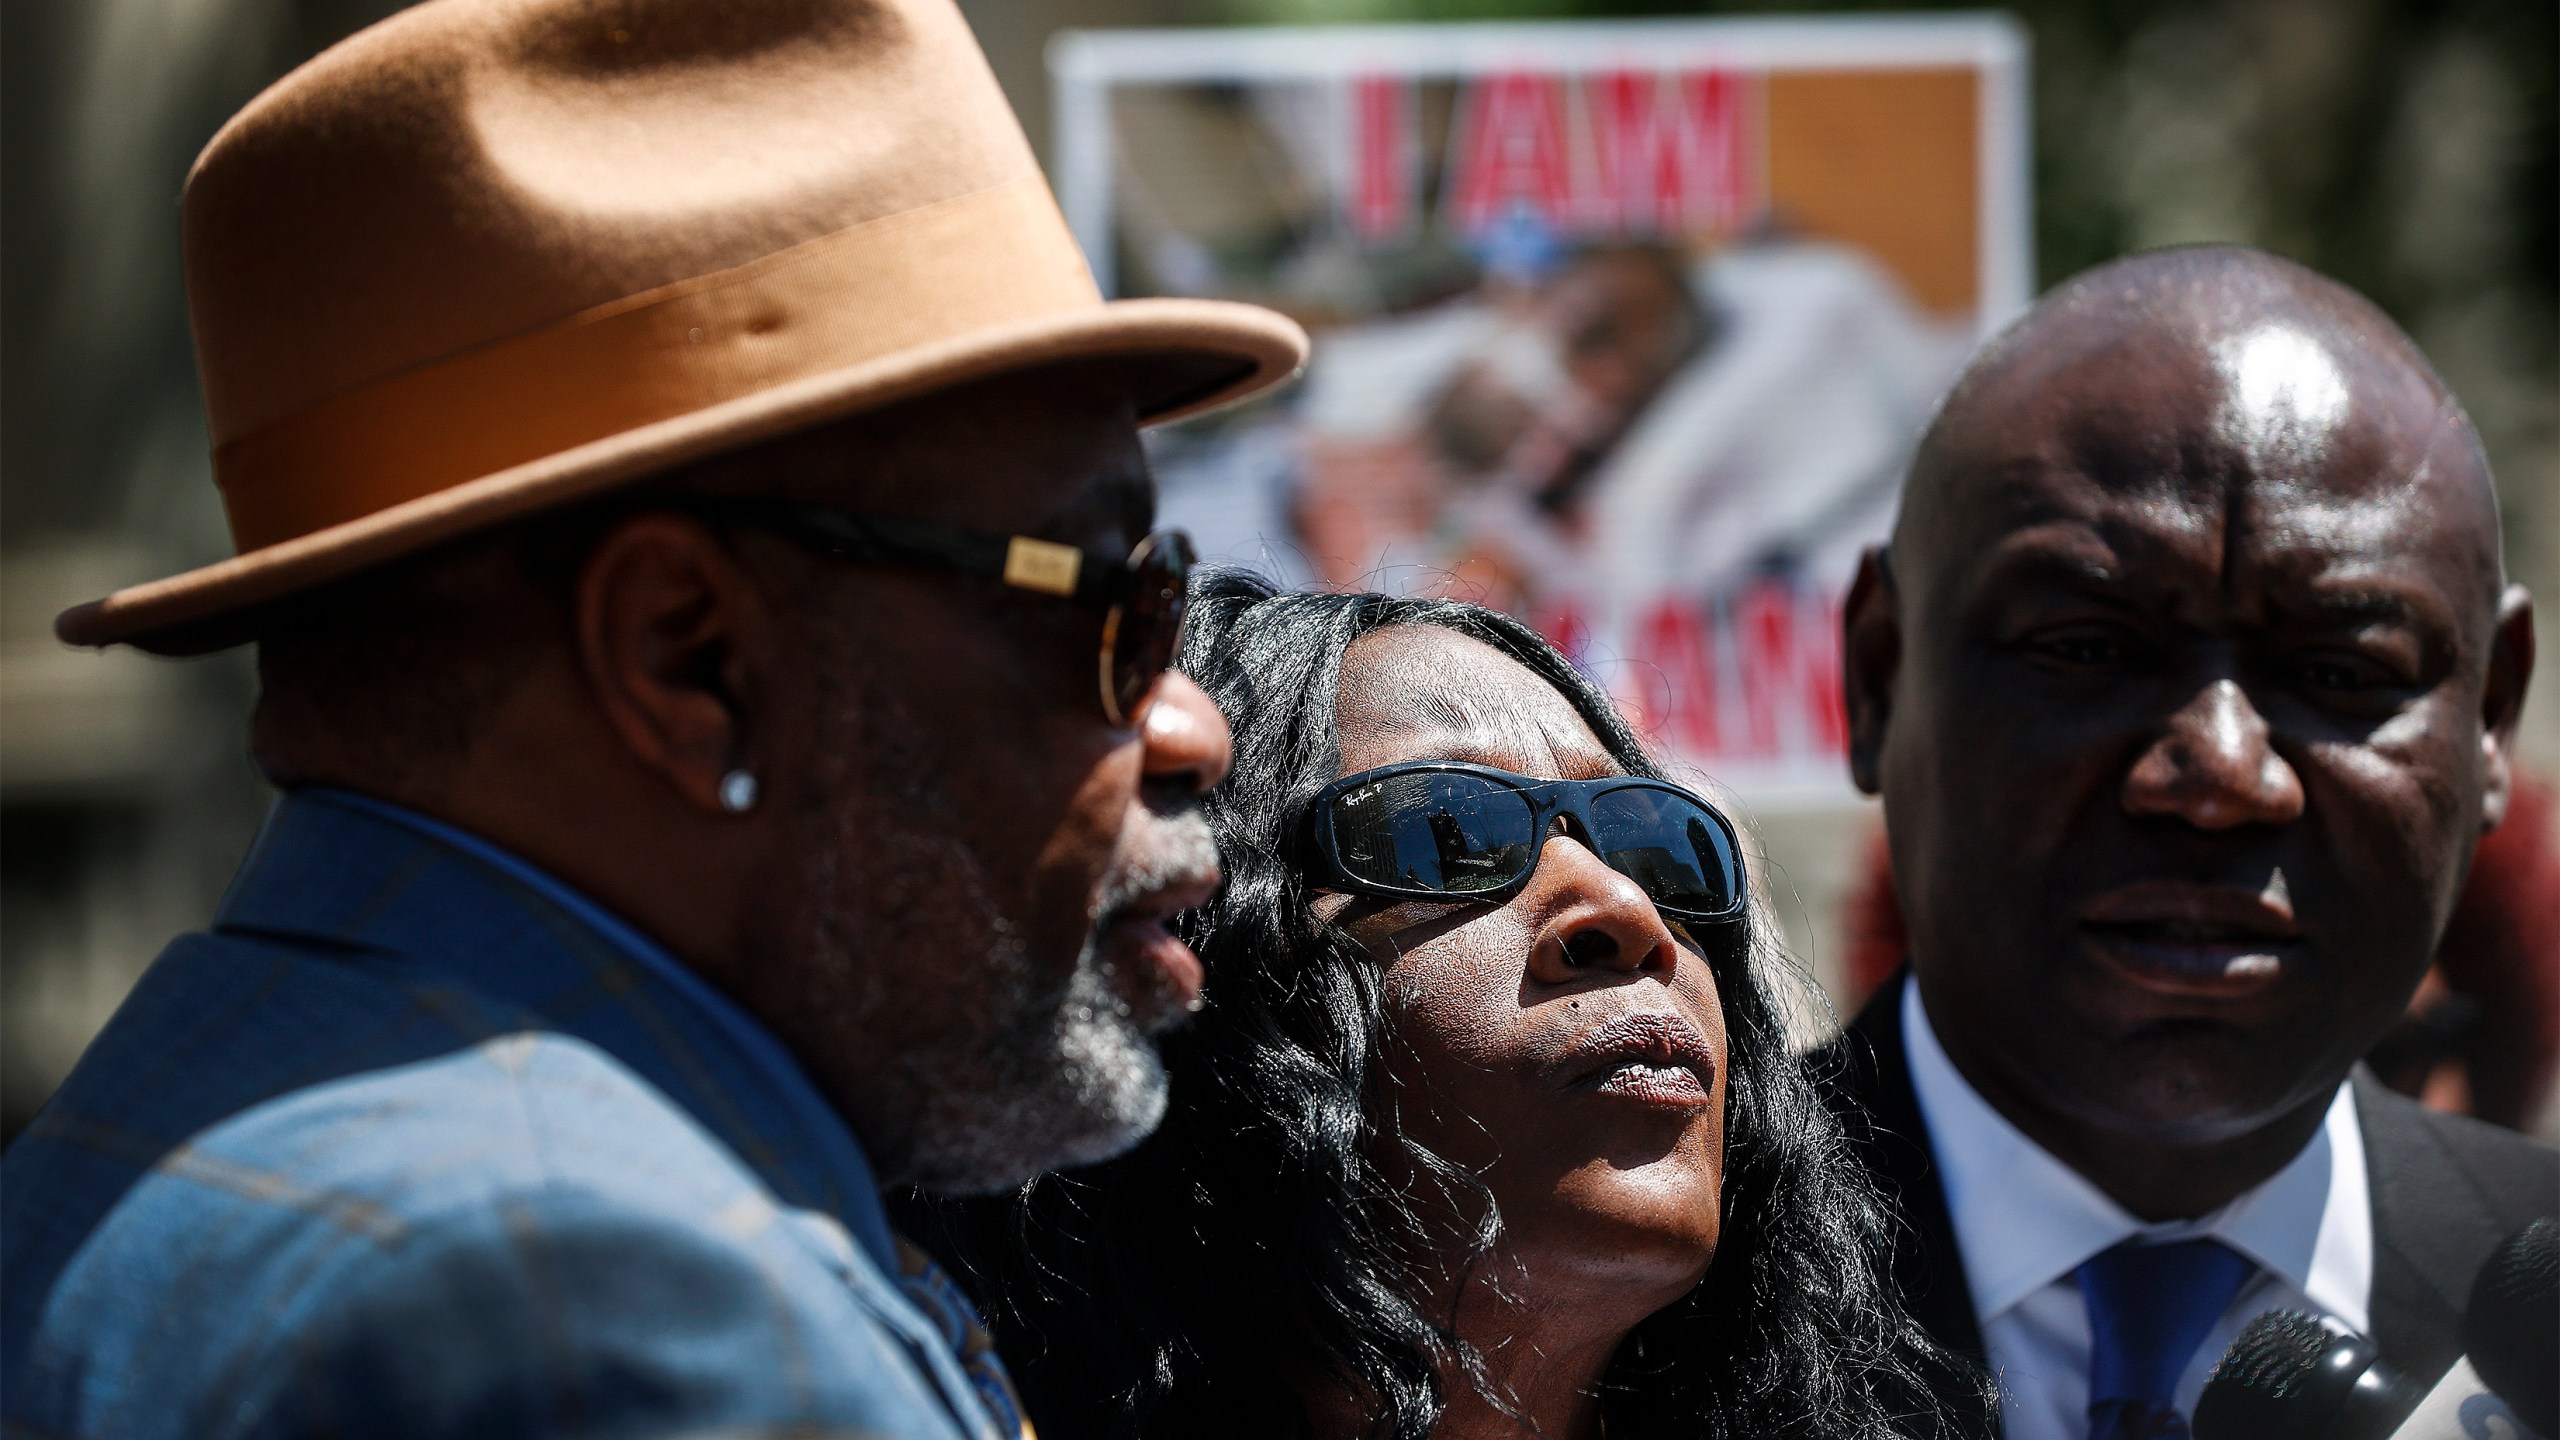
pixel 1624 327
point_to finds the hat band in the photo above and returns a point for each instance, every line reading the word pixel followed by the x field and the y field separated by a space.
pixel 872 290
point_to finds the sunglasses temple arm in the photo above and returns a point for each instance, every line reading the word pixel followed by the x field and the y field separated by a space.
pixel 918 542
pixel 1101 582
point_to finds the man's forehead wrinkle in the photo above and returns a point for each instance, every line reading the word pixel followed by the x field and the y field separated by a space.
pixel 2353 596
pixel 2369 554
pixel 2095 554
pixel 2087 522
pixel 2063 554
pixel 2173 546
pixel 2335 565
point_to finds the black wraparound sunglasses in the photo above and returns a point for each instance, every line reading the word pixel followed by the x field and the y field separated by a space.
pixel 1141 597
pixel 1442 830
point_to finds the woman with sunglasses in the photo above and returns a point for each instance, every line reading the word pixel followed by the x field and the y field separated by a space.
pixel 1489 1127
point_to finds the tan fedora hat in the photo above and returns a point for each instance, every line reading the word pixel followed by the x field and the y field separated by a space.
pixel 493 255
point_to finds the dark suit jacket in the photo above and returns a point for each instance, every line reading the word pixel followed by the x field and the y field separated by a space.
pixel 2445 1191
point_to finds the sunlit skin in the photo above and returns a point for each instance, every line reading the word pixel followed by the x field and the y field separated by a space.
pixel 2189 683
pixel 688 652
pixel 1610 1204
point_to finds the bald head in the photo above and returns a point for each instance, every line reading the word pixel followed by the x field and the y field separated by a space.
pixel 2197 369
pixel 2189 682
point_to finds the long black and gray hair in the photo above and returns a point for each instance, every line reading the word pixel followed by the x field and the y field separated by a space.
pixel 1253 1249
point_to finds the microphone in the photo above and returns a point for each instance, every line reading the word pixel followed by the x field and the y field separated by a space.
pixel 2511 1329
pixel 2289 1377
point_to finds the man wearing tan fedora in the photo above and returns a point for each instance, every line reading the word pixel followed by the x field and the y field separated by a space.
pixel 691 520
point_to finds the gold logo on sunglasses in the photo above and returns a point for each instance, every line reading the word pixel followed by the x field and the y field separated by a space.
pixel 1042 565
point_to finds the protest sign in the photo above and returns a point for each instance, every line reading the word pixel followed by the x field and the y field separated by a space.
pixel 1625 326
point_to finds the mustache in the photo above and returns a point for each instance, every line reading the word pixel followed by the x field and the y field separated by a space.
pixel 1163 856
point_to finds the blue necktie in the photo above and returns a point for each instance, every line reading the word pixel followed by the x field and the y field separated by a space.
pixel 2150 1306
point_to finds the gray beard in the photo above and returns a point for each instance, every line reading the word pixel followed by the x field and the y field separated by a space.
pixel 1072 1080
pixel 1044 1073
pixel 1061 1084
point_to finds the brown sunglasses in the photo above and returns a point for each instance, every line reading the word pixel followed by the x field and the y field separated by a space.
pixel 1142 597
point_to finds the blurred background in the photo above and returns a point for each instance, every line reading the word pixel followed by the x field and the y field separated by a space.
pixel 2404 146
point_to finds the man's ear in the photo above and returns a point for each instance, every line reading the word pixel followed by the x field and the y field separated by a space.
pixel 2502 702
pixel 1870 653
pixel 672 633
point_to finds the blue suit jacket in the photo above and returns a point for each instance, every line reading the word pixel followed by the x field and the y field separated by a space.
pixel 416 1142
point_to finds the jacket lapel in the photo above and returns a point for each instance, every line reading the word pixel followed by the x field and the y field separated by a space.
pixel 1865 1078
pixel 2430 1231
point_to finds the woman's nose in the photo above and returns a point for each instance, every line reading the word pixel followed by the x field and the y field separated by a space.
pixel 1594 918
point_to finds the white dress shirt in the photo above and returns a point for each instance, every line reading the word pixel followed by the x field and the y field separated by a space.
pixel 2025 1221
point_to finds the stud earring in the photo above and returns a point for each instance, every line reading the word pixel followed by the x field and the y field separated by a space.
pixel 737 792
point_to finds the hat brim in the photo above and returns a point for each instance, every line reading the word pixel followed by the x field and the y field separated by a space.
pixel 1180 357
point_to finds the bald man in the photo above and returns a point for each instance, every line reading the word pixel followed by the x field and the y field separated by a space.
pixel 2188 680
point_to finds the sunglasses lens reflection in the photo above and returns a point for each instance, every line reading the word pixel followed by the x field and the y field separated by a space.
pixel 1457 833
pixel 1150 628
pixel 1451 834
pixel 1669 845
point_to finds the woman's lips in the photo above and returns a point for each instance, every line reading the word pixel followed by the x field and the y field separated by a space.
pixel 2202 941
pixel 1676 1087
pixel 1656 1058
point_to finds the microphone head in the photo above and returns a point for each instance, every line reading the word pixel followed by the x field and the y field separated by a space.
pixel 2258 1386
pixel 2289 1377
pixel 2511 1331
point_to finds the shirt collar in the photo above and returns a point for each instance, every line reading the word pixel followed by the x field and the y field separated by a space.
pixel 2024 1220
pixel 817 1121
